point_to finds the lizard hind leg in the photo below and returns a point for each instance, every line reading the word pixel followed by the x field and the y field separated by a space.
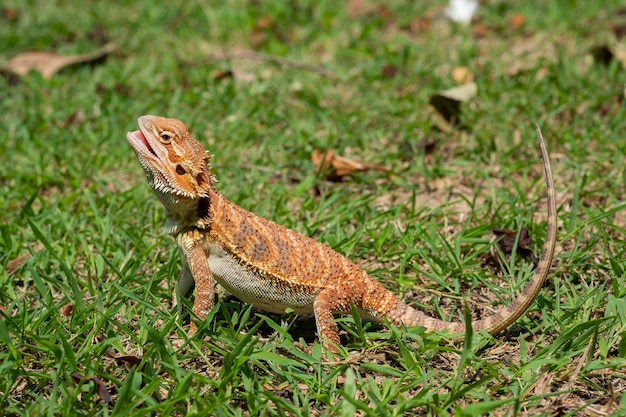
pixel 371 299
pixel 326 304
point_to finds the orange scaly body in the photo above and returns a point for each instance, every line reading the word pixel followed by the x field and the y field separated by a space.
pixel 270 266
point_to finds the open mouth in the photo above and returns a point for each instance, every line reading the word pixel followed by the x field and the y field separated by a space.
pixel 136 138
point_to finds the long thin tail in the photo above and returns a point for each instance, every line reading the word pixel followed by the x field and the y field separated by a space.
pixel 503 319
pixel 405 314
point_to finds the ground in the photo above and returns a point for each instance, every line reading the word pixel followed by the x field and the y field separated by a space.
pixel 87 320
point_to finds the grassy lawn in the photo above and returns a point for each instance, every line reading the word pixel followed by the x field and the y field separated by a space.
pixel 87 274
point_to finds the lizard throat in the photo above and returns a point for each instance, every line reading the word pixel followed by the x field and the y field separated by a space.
pixel 183 214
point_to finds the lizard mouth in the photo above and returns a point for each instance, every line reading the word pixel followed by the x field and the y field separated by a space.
pixel 137 139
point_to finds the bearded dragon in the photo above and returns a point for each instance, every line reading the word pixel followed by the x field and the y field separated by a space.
pixel 273 267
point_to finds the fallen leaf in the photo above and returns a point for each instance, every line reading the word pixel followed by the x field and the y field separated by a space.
pixel 605 54
pixel 101 389
pixel 505 241
pixel 129 359
pixel 602 54
pixel 14 264
pixel 447 104
pixel 222 75
pixel 440 122
pixel 67 309
pixel 462 93
pixel 49 63
pixel 335 167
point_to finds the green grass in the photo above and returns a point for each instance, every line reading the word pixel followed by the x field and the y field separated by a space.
pixel 73 197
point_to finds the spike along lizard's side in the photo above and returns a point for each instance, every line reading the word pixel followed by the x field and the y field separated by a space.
pixel 275 268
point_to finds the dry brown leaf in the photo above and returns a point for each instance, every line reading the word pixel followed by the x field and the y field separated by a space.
pixel 14 264
pixel 447 104
pixel 605 54
pixel 222 75
pixel 129 359
pixel 505 239
pixel 462 93
pixel 67 310
pixel 602 54
pixel 335 167
pixel 49 63
pixel 101 389
pixel 506 242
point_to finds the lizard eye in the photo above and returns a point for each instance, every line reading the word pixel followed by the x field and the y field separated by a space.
pixel 180 170
pixel 166 137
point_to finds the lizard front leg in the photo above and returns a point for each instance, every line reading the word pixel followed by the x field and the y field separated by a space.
pixel 196 269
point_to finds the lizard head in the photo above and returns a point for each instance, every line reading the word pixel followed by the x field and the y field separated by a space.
pixel 175 164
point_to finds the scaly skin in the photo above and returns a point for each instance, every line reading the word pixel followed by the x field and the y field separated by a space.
pixel 275 268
